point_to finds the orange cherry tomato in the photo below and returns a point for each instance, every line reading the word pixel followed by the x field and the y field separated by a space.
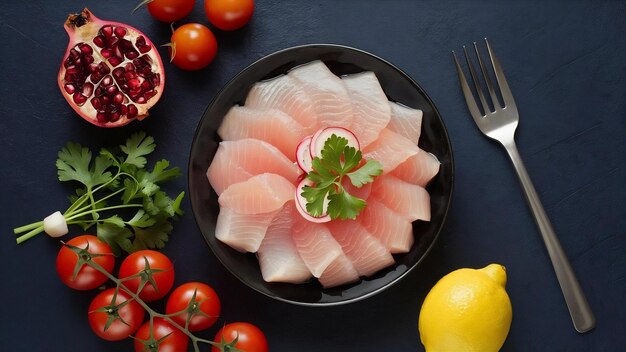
pixel 194 46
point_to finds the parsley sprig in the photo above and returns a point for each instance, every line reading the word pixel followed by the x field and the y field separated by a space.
pixel 338 160
pixel 112 181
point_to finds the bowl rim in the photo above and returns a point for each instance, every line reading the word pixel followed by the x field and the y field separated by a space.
pixel 195 209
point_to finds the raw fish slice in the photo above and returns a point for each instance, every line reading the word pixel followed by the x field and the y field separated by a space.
pixel 365 252
pixel 393 230
pixel 329 97
pixel 402 197
pixel 406 121
pixel 243 232
pixel 237 161
pixel 272 126
pixel 278 255
pixel 370 105
pixel 286 94
pixel 262 193
pixel 418 169
pixel 339 272
pixel 316 246
pixel 390 149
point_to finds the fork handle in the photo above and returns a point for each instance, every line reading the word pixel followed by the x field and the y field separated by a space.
pixel 579 309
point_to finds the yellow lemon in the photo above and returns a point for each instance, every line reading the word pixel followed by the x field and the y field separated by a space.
pixel 467 310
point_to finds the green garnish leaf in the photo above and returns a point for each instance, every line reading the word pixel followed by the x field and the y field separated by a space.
pixel 116 184
pixel 366 173
pixel 338 160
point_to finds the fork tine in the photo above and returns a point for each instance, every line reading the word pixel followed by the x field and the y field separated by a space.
pixel 492 93
pixel 507 96
pixel 481 96
pixel 469 97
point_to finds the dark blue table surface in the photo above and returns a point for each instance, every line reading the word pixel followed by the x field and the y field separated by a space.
pixel 566 64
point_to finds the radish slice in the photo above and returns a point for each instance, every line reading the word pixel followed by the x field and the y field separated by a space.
pixel 303 155
pixel 320 137
pixel 301 204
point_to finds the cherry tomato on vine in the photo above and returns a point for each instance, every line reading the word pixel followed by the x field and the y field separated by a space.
pixel 193 46
pixel 177 341
pixel 160 267
pixel 229 15
pixel 251 338
pixel 87 278
pixel 206 302
pixel 126 314
pixel 169 10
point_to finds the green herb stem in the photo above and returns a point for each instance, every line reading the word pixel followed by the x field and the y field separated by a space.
pixel 27 227
pixel 30 234
pixel 81 214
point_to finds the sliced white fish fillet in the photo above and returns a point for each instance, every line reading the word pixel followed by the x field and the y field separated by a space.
pixel 329 97
pixel 270 125
pixel 278 256
pixel 259 194
pixel 243 232
pixel 370 105
pixel 365 252
pixel 390 149
pixel 316 246
pixel 419 169
pixel 407 199
pixel 237 161
pixel 393 230
pixel 406 121
pixel 339 272
pixel 286 94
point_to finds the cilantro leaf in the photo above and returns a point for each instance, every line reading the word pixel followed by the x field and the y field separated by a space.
pixel 343 205
pixel 141 219
pixel 118 238
pixel 75 164
pixel 338 160
pixel 153 236
pixel 137 146
pixel 365 174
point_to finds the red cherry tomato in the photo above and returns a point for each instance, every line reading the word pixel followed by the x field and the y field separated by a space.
pixel 129 316
pixel 194 45
pixel 177 341
pixel 87 278
pixel 229 15
pixel 136 263
pixel 170 10
pixel 207 302
pixel 251 338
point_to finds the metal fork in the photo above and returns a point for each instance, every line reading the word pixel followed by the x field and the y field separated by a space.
pixel 500 124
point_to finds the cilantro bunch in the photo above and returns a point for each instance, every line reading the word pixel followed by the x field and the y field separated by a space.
pixel 338 160
pixel 114 181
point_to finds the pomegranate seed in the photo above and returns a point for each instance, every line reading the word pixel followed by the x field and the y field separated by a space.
pixel 67 62
pixel 86 49
pixel 111 89
pixel 106 53
pixel 118 72
pixel 72 70
pixel 115 116
pixel 141 41
pixel 118 98
pixel 120 31
pixel 129 67
pixel 96 77
pixel 149 94
pixel 99 91
pixel 88 59
pixel 99 41
pixel 123 109
pixel 132 111
pixel 134 83
pixel 79 99
pixel 107 31
pixel 95 102
pixel 155 80
pixel 114 60
pixel 131 54
pixel 74 53
pixel 130 75
pixel 141 100
pixel 105 100
pixel 107 80
pixel 69 88
pixel 101 117
pixel 104 69
pixel 87 89
pixel 145 85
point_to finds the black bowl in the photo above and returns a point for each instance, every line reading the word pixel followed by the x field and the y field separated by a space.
pixel 341 60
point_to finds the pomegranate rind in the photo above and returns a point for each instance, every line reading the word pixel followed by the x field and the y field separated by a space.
pixel 89 26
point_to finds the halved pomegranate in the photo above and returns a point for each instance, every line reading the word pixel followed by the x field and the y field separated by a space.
pixel 111 73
